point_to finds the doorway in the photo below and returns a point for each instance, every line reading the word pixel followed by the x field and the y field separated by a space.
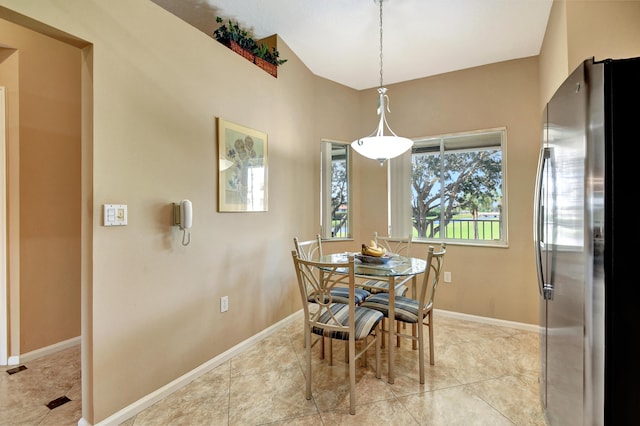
pixel 40 202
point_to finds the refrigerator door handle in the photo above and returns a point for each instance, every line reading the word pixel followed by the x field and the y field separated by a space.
pixel 546 290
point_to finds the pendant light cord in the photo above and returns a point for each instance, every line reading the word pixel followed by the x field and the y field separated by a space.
pixel 377 146
pixel 380 1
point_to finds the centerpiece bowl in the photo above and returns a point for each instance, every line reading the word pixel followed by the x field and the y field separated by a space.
pixel 378 260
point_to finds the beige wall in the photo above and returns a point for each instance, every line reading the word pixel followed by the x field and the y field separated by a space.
pixel 579 30
pixel 157 86
pixel 44 92
pixel 603 30
pixel 491 282
pixel 152 86
pixel 554 66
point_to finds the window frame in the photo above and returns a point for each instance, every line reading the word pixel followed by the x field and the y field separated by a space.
pixel 327 148
pixel 400 180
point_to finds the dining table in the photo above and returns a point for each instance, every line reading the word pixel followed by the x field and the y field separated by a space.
pixel 397 267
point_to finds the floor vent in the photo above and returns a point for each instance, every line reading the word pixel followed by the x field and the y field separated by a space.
pixel 17 369
pixel 58 402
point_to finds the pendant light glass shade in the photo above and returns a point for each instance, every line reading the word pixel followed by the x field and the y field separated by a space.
pixel 377 146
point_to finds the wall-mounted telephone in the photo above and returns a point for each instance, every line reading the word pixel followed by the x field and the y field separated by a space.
pixel 183 217
pixel 186 217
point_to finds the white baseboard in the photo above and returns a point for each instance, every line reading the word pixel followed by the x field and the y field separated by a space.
pixel 161 393
pixel 487 320
pixel 29 356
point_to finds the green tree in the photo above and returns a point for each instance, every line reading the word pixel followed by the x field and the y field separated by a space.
pixel 339 196
pixel 471 180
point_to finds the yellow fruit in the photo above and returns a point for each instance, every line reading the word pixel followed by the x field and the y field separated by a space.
pixel 373 251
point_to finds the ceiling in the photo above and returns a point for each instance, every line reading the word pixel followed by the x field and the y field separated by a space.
pixel 340 39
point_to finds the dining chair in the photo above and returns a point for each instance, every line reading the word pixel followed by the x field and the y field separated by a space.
pixel 395 245
pixel 416 310
pixel 343 321
pixel 312 250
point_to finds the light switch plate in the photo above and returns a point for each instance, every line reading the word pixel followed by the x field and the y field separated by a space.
pixel 115 214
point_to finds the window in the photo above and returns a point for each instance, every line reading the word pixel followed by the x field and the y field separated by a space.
pixel 335 193
pixel 456 188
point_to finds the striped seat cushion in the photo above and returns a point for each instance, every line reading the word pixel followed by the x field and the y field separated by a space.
pixel 401 289
pixel 406 309
pixel 366 321
pixel 341 295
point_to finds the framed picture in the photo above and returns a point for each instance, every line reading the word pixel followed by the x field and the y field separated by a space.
pixel 243 168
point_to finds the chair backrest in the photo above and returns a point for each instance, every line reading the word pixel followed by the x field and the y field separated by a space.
pixel 310 249
pixel 431 278
pixel 397 245
pixel 315 282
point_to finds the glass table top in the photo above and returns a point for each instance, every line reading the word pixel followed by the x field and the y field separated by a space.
pixel 397 266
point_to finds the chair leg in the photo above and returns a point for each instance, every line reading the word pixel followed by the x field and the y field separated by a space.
pixel 421 352
pixel 307 341
pixel 330 349
pixel 352 376
pixel 414 342
pixel 431 357
pixel 378 345
pixel 398 331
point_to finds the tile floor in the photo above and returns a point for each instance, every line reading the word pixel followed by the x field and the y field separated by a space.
pixel 483 375
pixel 24 395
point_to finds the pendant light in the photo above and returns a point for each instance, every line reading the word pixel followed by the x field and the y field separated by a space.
pixel 377 146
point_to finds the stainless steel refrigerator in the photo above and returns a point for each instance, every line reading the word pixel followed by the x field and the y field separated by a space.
pixel 586 227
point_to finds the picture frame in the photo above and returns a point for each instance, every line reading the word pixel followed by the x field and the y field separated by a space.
pixel 243 168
